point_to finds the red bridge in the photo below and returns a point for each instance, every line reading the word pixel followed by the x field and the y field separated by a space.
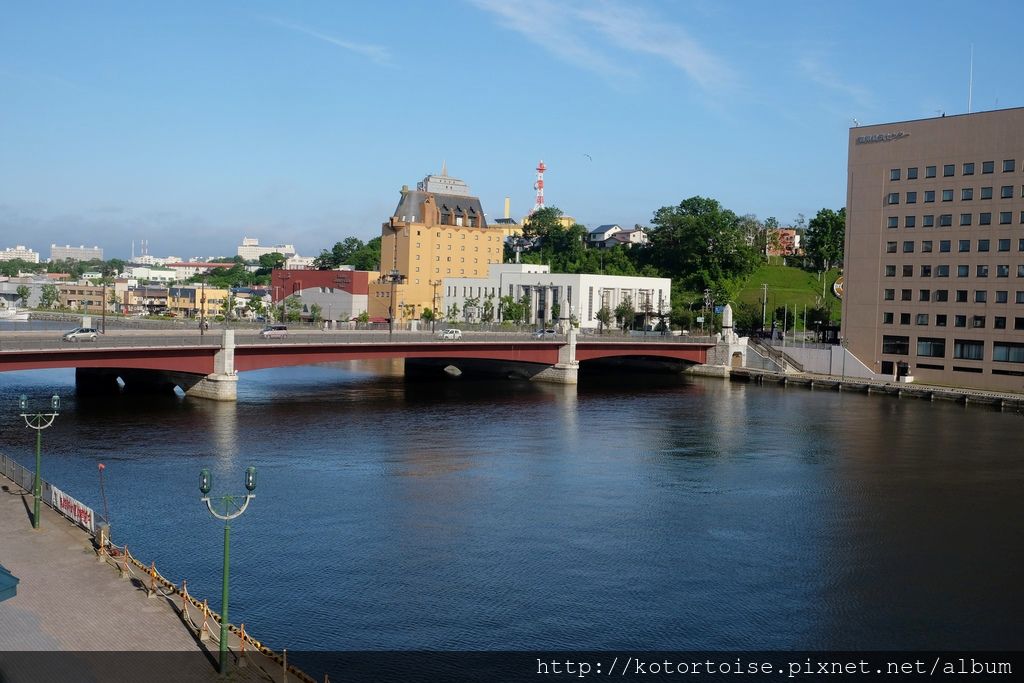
pixel 208 366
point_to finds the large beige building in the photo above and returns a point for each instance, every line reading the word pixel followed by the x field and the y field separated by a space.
pixel 934 265
pixel 437 231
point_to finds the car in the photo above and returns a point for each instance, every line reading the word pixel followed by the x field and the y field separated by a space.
pixel 544 334
pixel 274 332
pixel 81 334
pixel 451 334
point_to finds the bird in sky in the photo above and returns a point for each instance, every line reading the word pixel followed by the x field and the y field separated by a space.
pixel 588 156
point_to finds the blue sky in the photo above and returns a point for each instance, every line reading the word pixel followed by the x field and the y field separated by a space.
pixel 191 124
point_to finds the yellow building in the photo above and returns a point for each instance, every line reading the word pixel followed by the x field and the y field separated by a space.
pixel 187 301
pixel 438 230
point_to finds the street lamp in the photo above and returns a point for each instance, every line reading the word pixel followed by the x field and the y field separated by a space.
pixel 38 422
pixel 202 311
pixel 394 278
pixel 231 510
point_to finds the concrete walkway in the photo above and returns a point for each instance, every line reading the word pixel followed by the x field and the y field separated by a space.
pixel 69 602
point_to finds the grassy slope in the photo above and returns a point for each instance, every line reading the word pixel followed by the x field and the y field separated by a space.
pixel 790 286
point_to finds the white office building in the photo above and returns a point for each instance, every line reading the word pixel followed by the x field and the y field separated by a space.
pixel 251 250
pixel 79 253
pixel 577 296
pixel 19 252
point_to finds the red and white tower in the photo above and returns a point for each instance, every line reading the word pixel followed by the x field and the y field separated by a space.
pixel 539 186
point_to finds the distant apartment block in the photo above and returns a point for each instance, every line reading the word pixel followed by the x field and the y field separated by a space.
pixel 607 236
pixel 251 250
pixel 934 262
pixel 783 242
pixel 79 253
pixel 19 252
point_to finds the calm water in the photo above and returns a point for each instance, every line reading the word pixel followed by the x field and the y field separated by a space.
pixel 647 514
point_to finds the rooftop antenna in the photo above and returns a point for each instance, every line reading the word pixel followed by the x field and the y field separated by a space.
pixel 970 82
pixel 856 123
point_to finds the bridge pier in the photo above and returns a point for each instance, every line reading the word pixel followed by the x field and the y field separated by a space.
pixel 567 369
pixel 222 383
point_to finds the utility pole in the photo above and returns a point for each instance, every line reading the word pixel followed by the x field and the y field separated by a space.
pixel 202 311
pixel 764 303
pixel 433 302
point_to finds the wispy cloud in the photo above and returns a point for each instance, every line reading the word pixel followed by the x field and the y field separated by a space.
pixel 593 35
pixel 812 67
pixel 377 53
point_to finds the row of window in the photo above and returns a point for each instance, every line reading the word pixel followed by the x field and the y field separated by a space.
pixel 946 220
pixel 949 170
pixel 966 195
pixel 462 248
pixel 1001 296
pixel 977 322
pixel 963 349
pixel 945 246
pixel 943 270
pixel 451 235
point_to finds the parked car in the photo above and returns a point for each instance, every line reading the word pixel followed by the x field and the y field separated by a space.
pixel 274 332
pixel 81 334
pixel 451 334
pixel 542 334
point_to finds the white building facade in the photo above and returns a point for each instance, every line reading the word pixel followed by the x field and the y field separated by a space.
pixel 79 253
pixel 19 252
pixel 557 298
pixel 251 250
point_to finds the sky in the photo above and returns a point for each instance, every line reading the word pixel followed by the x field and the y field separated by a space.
pixel 193 124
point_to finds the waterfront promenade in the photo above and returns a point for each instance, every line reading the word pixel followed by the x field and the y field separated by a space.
pixel 69 602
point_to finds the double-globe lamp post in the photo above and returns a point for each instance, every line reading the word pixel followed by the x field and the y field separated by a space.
pixel 39 422
pixel 231 509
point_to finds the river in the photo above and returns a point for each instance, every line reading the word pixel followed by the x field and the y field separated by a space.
pixel 642 512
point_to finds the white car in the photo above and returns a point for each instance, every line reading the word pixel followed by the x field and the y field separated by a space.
pixel 81 334
pixel 451 334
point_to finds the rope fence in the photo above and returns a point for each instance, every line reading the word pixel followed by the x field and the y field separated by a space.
pixel 157 585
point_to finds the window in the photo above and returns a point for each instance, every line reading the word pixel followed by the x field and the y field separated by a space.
pixel 929 171
pixel 1005 192
pixel 1018 323
pixel 926 271
pixel 940 320
pixel 963 270
pixel 911 198
pixel 887 318
pixel 908 270
pixel 890 247
pixel 894 174
pixel 983 245
pixel 908 246
pixel 1020 244
pixel 1009 165
pixel 926 246
pixel 890 271
pixel 988 166
pixel 924 295
pixel 892 222
pixel 1005 217
pixel 985 218
pixel 889 294
pixel 963 246
pixel 1008 352
pixel 948 170
pixel 980 296
pixel 912 173
pixel 968 168
pixel 921 319
pixel 1020 271
pixel 947 195
pixel 906 295
pixel 965 219
pixel 978 322
pixel 895 344
pixel 961 296
pixel 942 295
pixel 1001 296
pixel 986 193
pixel 967 194
pixel 1004 244
pixel 942 270
pixel 959 321
pixel 1019 297
pixel 929 196
pixel 904 318
pixel 894 198
pixel 928 221
pixel 909 221
pixel 1002 270
pixel 999 322
pixel 946 220
pixel 931 347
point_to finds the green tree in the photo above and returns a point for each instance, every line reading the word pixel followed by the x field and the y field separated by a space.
pixel 363 319
pixel 453 313
pixel 255 307
pixel 826 234
pixel 604 317
pixel 701 243
pixel 315 312
pixel 292 308
pixel 470 307
pixel 511 310
pixel 747 318
pixel 428 315
pixel 625 314
pixel 23 294
pixel 48 296
pixel 487 314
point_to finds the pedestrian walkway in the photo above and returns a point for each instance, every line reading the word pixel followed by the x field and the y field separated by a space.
pixel 68 601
